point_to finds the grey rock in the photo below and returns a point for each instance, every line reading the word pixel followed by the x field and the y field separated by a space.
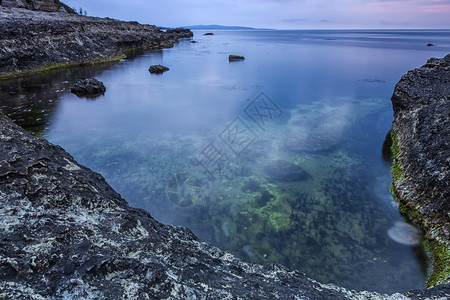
pixel 66 234
pixel 158 69
pixel 42 5
pixel 421 131
pixel 421 103
pixel 89 87
pixel 281 170
pixel 32 40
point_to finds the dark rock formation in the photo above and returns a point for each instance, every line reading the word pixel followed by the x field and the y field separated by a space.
pixel 158 69
pixel 281 170
pixel 421 137
pixel 32 41
pixel 235 57
pixel 89 87
pixel 430 45
pixel 42 5
pixel 66 234
pixel 208 33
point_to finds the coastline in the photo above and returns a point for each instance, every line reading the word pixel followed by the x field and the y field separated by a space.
pixel 171 273
pixel 58 40
pixel 67 234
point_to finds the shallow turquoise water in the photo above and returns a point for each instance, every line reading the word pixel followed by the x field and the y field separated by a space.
pixel 200 146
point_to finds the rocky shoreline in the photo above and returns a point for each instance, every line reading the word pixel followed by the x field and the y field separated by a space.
pixel 66 234
pixel 33 41
pixel 421 146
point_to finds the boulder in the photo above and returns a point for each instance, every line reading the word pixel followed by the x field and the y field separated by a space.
pixel 158 69
pixel 235 57
pixel 208 33
pixel 281 170
pixel 421 139
pixel 89 87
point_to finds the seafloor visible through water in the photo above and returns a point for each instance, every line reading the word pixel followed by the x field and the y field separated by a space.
pixel 277 158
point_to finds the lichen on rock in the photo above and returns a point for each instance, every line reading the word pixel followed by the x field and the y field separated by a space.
pixel 421 171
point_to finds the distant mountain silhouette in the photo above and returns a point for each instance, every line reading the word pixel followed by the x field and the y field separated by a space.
pixel 216 27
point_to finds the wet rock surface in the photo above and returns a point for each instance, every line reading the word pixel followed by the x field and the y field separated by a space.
pixel 67 234
pixel 158 69
pixel 33 40
pixel 421 103
pixel 421 135
pixel 88 87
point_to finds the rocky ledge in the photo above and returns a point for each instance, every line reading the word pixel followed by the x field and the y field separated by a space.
pixel 421 144
pixel 36 41
pixel 66 234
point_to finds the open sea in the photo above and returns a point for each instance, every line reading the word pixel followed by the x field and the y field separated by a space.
pixel 277 158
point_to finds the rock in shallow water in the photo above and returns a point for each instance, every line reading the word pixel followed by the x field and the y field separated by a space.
pixel 158 69
pixel 281 170
pixel 89 87
pixel 235 57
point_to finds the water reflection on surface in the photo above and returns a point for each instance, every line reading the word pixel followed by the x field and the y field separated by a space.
pixel 307 188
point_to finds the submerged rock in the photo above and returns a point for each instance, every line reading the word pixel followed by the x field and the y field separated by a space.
pixel 405 234
pixel 235 57
pixel 311 142
pixel 281 170
pixel 89 87
pixel 158 69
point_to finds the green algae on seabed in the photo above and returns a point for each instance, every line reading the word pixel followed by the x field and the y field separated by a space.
pixel 439 251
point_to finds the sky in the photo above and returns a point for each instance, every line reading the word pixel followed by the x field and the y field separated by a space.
pixel 277 14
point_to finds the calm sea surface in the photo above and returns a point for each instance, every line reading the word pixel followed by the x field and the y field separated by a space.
pixel 277 158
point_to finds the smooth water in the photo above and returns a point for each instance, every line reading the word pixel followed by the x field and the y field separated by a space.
pixel 277 158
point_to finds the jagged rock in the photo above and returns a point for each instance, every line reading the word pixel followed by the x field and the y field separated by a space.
pixel 158 69
pixel 14 3
pixel 41 5
pixel 66 234
pixel 235 57
pixel 89 87
pixel 31 40
pixel 421 138
pixel 281 170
